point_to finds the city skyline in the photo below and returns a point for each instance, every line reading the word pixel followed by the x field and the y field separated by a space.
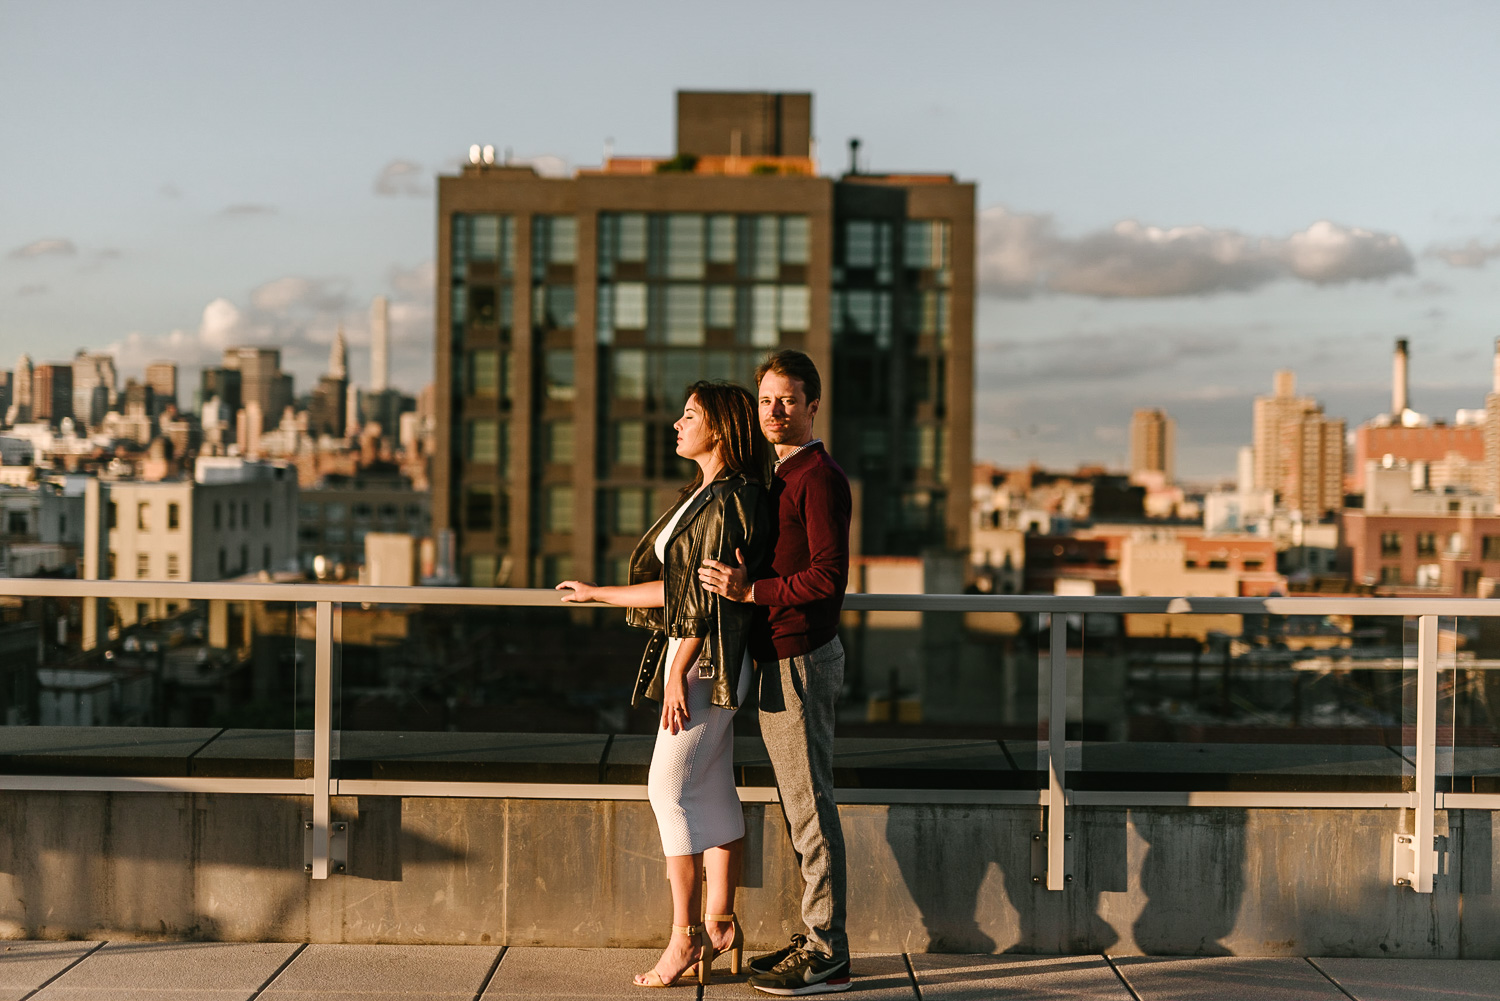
pixel 1175 201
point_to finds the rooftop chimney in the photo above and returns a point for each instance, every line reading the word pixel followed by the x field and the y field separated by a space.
pixel 1398 380
pixel 1495 379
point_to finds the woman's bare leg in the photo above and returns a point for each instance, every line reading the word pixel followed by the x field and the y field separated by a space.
pixel 721 869
pixel 684 873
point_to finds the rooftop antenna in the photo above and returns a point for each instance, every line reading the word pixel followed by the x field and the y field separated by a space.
pixel 609 148
pixel 489 155
pixel 854 156
pixel 474 154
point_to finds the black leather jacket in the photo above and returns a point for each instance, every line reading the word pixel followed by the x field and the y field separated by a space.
pixel 731 513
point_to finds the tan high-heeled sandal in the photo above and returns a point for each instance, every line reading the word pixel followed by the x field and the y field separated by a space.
pixel 704 964
pixel 736 948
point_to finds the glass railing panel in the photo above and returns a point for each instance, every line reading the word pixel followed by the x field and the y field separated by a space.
pixel 1469 704
pixel 1263 702
pixel 149 686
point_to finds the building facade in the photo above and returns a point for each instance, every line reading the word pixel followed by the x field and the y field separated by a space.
pixel 1153 443
pixel 1299 451
pixel 573 313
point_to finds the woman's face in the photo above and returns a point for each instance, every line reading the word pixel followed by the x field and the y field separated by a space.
pixel 693 439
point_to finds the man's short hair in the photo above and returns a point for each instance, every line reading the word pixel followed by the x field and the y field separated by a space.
pixel 793 365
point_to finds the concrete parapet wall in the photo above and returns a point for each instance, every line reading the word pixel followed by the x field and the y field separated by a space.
pixel 589 873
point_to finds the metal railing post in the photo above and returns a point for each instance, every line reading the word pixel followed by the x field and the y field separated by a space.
pixel 1057 753
pixel 1423 857
pixel 322 737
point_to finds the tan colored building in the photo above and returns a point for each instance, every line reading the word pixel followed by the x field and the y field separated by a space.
pixel 573 313
pixel 233 518
pixel 1299 451
pixel 1153 443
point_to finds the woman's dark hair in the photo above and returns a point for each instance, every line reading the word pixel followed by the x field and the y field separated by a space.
pixel 793 365
pixel 730 414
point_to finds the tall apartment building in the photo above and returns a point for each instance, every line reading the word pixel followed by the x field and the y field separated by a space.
pixel 573 313
pixel 1153 443
pixel 262 382
pixel 1299 451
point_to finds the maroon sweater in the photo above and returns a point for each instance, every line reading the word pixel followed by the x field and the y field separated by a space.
pixel 810 561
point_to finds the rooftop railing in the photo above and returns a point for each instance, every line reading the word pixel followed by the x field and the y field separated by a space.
pixel 1298 702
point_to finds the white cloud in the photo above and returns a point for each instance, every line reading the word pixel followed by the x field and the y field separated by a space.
pixel 51 247
pixel 402 178
pixel 1471 255
pixel 300 315
pixel 1023 254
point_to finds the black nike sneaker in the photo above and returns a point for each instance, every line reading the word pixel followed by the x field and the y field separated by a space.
pixel 803 972
pixel 771 960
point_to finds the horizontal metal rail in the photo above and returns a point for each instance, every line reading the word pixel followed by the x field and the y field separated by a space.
pixel 492 597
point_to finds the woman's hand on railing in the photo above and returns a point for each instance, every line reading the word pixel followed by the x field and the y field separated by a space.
pixel 578 591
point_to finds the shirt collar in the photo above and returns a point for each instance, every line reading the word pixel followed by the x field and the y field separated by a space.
pixel 796 452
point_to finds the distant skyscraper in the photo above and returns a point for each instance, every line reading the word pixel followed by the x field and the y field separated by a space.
pixel 22 392
pixel 52 393
pixel 161 376
pixel 1153 443
pixel 261 382
pixel 94 384
pixel 1299 452
pixel 338 358
pixel 351 410
pixel 380 344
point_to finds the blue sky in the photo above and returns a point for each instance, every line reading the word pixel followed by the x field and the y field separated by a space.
pixel 176 176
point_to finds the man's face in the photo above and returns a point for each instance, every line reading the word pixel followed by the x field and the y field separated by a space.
pixel 786 416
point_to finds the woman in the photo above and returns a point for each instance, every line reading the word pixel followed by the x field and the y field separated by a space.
pixel 697 666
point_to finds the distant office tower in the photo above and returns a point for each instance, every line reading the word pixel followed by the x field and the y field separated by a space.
pixel 225 384
pixel 161 376
pixel 351 411
pixel 1153 443
pixel 380 345
pixel 1492 431
pixel 338 358
pixel 1299 452
pixel 575 313
pixel 262 382
pixel 52 393
pixel 94 383
pixel 22 393
pixel 7 392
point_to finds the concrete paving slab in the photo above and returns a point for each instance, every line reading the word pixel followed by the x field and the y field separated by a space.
pixel 1416 979
pixel 384 973
pixel 25 966
pixel 1225 978
pixel 581 974
pixel 1017 978
pixel 881 977
pixel 187 971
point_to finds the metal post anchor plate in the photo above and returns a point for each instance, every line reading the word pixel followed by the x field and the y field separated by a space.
pixel 338 846
pixel 1404 869
pixel 1039 858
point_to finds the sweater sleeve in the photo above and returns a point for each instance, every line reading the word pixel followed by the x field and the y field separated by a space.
pixel 825 509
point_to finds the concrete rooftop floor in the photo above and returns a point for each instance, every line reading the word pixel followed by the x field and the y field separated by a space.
pixel 213 971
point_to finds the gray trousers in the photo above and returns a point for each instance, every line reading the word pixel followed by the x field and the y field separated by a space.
pixel 798 696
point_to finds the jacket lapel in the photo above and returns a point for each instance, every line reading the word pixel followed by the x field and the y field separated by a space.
pixel 694 506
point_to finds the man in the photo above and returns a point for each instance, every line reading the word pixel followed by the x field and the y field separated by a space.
pixel 802 665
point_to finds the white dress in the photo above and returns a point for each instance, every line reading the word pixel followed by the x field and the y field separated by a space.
pixel 691 784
